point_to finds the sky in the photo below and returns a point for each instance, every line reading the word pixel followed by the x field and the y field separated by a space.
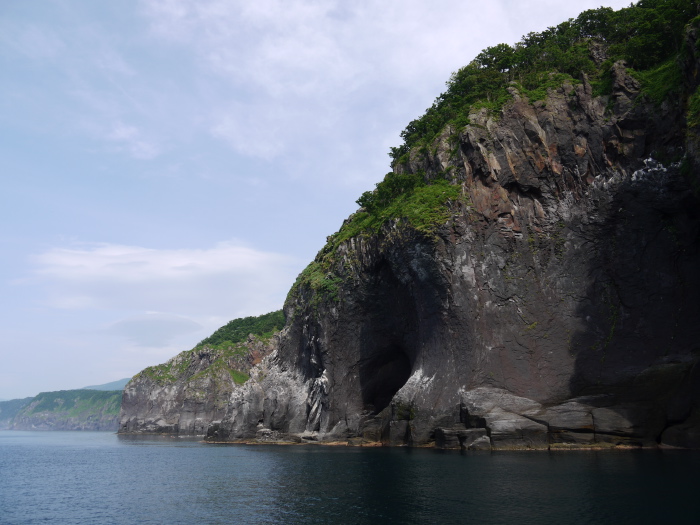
pixel 170 165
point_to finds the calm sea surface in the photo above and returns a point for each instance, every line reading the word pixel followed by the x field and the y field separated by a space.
pixel 96 478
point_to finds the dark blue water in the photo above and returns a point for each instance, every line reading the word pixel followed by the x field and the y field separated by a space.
pixel 86 477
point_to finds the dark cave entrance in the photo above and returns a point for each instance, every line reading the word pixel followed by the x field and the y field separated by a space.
pixel 381 376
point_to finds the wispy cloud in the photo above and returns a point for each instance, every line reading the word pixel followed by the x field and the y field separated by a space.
pixel 228 279
pixel 291 82
pixel 306 77
pixel 299 71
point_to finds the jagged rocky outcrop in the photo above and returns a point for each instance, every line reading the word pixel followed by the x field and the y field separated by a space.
pixel 557 307
pixel 190 392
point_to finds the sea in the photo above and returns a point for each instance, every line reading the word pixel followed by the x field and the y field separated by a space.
pixel 104 478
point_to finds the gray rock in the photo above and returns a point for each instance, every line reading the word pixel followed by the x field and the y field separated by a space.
pixel 191 391
pixel 459 438
pixel 571 438
pixel 447 438
pixel 631 425
pixel 511 431
pixel 570 416
pixel 482 443
pixel 480 401
pixel 623 421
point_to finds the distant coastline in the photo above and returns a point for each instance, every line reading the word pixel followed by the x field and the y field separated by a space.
pixel 90 408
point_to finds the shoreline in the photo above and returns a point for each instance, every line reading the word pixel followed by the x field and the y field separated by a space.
pixel 554 447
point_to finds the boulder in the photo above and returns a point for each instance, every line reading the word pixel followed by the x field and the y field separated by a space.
pixel 512 431
pixel 460 438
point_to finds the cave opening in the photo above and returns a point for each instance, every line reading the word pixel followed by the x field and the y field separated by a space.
pixel 382 375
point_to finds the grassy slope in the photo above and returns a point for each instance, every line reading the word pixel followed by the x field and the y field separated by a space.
pixel 76 403
pixel 228 343
pixel 64 406
pixel 237 331
pixel 9 409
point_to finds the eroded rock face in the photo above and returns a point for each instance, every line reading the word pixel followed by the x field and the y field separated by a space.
pixel 189 393
pixel 557 307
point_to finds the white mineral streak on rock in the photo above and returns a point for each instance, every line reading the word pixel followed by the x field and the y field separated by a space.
pixel 416 384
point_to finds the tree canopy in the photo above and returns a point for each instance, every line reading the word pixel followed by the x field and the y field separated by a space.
pixel 646 35
pixel 237 331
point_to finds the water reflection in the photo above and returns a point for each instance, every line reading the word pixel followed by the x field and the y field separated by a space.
pixel 83 478
pixel 403 486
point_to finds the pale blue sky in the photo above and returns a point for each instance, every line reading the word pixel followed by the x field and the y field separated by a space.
pixel 168 165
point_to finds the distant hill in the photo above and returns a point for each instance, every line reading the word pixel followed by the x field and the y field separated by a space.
pixel 114 385
pixel 63 410
pixel 9 409
pixel 237 331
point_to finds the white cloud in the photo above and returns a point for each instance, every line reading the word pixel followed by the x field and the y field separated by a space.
pixel 226 280
pixel 111 310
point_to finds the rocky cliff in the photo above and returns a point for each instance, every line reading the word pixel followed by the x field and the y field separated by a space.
pixel 192 390
pixel 548 299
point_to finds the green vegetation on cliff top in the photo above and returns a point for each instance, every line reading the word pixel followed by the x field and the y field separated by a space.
pixel 237 331
pixel 229 344
pixel 177 368
pixel 406 197
pixel 649 36
pixel 63 409
pixel 76 402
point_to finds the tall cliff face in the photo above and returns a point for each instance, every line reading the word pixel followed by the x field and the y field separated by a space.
pixel 550 301
pixel 556 306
